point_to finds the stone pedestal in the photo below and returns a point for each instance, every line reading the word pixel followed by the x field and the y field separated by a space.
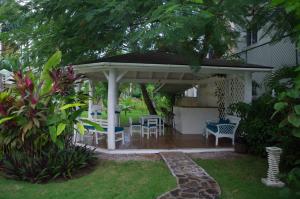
pixel 273 170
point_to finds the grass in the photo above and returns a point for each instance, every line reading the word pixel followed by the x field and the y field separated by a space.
pixel 111 180
pixel 240 178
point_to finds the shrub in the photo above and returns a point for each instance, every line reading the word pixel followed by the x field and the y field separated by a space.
pixel 288 105
pixel 48 165
pixel 256 125
pixel 37 119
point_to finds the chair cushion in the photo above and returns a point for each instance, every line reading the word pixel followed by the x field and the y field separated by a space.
pixel 89 127
pixel 224 121
pixel 151 125
pixel 117 129
pixel 213 127
pixel 98 113
pixel 136 123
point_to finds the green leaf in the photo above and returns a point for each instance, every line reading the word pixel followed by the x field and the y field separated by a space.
pixel 60 144
pixel 97 126
pixel 296 132
pixel 45 77
pixel 283 123
pixel 293 93
pixel 80 128
pixel 297 109
pixel 294 120
pixel 67 106
pixel 277 2
pixel 53 119
pixel 6 119
pixel 52 132
pixel 280 106
pixel 197 1
pixel 60 128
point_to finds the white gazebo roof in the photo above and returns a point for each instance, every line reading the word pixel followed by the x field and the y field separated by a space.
pixel 162 68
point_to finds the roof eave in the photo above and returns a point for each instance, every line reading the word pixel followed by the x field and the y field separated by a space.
pixel 160 67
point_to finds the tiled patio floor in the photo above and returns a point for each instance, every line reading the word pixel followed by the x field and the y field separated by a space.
pixel 171 140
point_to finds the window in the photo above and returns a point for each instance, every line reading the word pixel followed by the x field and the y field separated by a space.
pixel 251 36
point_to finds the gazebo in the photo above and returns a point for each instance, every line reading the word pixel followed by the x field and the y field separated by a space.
pixel 173 73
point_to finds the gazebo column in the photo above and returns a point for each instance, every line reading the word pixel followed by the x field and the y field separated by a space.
pixel 247 87
pixel 91 94
pixel 111 105
pixel 117 104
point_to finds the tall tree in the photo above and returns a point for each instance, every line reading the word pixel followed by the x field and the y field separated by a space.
pixel 88 29
pixel 147 99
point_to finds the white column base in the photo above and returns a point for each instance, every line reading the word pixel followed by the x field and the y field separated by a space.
pixel 269 183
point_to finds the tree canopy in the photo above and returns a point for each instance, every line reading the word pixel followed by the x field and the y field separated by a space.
pixel 85 30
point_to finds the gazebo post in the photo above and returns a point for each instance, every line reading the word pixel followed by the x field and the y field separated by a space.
pixel 90 98
pixel 247 87
pixel 117 104
pixel 111 105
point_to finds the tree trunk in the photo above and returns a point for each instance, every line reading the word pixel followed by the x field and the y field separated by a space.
pixel 148 100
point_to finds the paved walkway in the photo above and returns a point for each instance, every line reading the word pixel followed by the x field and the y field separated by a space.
pixel 193 182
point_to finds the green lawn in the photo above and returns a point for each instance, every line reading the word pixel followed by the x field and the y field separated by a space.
pixel 111 180
pixel 240 178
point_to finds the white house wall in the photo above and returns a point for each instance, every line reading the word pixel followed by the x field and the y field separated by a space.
pixel 280 54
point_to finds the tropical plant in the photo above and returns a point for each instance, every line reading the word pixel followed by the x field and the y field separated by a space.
pixel 288 105
pixel 127 105
pixel 48 165
pixel 256 127
pixel 39 113
pixel 279 78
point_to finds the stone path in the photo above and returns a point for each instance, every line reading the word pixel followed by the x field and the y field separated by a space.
pixel 193 182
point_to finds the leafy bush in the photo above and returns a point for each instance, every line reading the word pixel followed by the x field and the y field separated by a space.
pixel 256 125
pixel 37 116
pixel 288 105
pixel 51 164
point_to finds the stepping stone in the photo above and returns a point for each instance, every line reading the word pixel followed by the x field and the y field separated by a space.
pixel 192 181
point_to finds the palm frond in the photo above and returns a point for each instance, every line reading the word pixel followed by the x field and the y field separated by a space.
pixel 278 78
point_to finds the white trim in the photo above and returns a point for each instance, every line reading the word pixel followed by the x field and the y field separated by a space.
pixel 158 88
pixel 111 107
pixel 151 75
pixel 159 67
pixel 166 75
pixel 181 76
pixel 165 81
pixel 121 76
pixel 248 87
pixel 106 75
pixel 91 94
pixel 154 151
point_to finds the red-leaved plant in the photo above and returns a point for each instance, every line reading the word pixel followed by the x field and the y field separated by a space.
pixel 39 112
